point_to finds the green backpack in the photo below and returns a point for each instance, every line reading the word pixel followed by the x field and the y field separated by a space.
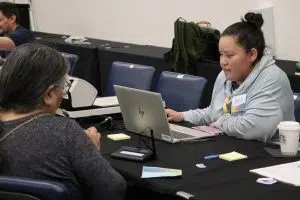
pixel 192 44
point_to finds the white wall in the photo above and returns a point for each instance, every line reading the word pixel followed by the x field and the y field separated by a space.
pixel 151 22
pixel 287 28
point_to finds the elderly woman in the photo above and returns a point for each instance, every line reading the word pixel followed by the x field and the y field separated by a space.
pixel 35 143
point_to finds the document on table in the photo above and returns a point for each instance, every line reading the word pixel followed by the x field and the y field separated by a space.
pixel 106 101
pixel 286 173
pixel 153 172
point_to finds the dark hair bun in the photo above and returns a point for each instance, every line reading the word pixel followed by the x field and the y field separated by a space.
pixel 255 19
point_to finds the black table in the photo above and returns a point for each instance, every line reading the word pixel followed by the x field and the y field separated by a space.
pixel 221 179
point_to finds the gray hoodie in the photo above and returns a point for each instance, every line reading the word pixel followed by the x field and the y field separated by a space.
pixel 263 100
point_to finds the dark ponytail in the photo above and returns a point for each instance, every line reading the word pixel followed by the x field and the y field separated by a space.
pixel 248 33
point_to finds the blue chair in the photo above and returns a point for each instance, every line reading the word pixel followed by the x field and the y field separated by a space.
pixel 15 188
pixel 297 106
pixel 129 75
pixel 72 58
pixel 181 92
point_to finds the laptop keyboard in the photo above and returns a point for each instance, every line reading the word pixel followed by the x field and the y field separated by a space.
pixel 179 135
pixel 178 132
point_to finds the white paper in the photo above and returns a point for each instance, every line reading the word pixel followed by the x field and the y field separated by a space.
pixel 286 173
pixel 106 101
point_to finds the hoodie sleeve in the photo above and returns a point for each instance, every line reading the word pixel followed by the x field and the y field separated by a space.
pixel 198 116
pixel 204 116
pixel 261 115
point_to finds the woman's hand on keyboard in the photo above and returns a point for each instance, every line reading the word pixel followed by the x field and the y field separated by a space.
pixel 173 115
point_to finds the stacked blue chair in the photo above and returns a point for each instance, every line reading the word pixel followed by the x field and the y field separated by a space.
pixel 72 58
pixel 15 188
pixel 181 92
pixel 129 75
pixel 297 106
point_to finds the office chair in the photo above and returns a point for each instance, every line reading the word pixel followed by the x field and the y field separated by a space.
pixel 181 92
pixel 72 58
pixel 129 75
pixel 297 106
pixel 16 188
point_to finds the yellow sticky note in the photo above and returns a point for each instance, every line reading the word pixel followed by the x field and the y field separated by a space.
pixel 118 136
pixel 232 156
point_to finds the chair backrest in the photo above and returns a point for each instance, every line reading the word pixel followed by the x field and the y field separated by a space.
pixel 181 92
pixel 210 71
pixel 297 106
pixel 72 58
pixel 129 75
pixel 15 188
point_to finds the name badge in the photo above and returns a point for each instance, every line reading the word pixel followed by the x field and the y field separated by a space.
pixel 238 103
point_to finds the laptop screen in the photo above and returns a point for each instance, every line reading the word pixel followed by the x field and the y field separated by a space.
pixel 142 110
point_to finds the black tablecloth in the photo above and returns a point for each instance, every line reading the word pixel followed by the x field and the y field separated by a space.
pixel 221 179
pixel 295 83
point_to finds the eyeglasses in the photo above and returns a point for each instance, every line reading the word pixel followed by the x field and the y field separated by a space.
pixel 65 86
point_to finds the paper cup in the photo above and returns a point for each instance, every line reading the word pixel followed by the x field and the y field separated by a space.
pixel 289 137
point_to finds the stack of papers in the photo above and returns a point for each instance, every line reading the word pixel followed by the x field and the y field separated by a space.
pixel 153 172
pixel 232 156
pixel 118 136
pixel 287 173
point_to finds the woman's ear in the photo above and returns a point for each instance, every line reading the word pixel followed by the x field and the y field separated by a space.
pixel 49 96
pixel 252 55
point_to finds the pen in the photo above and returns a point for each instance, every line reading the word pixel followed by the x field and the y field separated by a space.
pixel 211 157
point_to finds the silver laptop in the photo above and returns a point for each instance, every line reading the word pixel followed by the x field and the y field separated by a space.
pixel 142 110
